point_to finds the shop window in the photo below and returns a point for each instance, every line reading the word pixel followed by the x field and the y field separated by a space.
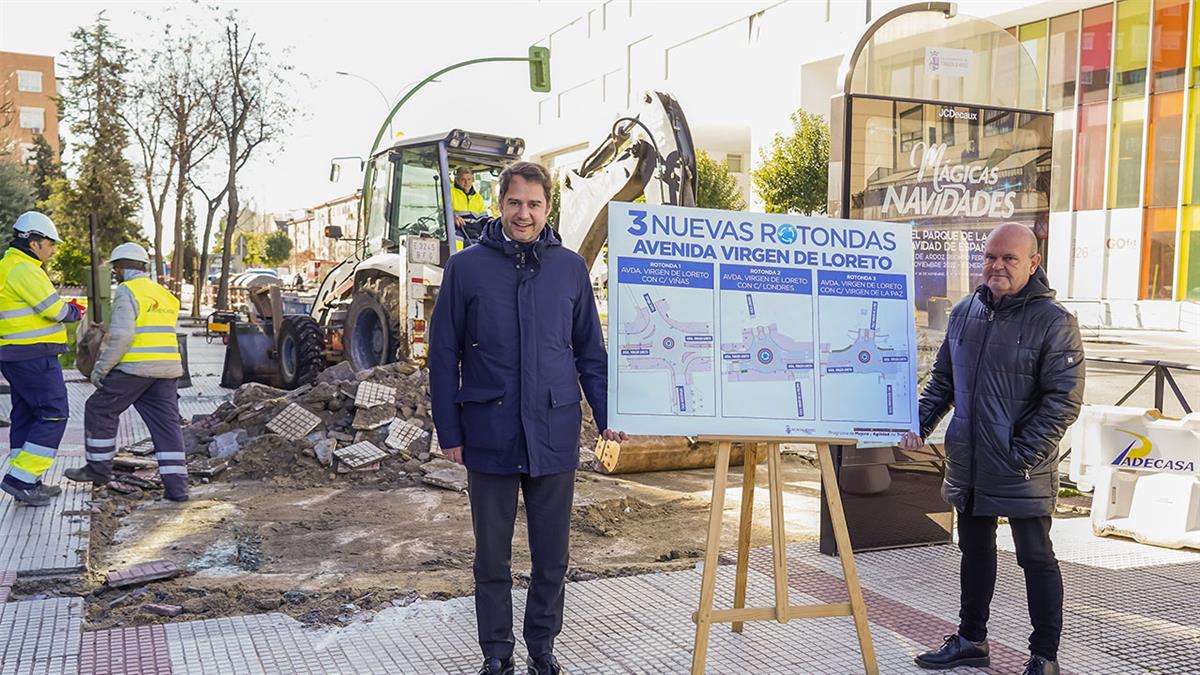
pixel 1132 44
pixel 1168 45
pixel 1095 48
pixel 1162 155
pixel 1125 181
pixel 1063 61
pixel 1158 254
pixel 1089 183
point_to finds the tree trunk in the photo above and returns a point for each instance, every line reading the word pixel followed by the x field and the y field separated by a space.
pixel 202 276
pixel 230 226
pixel 177 271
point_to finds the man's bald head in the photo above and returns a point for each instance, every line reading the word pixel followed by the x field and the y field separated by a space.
pixel 1010 257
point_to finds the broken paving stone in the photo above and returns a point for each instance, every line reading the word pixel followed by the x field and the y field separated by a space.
pixel 445 474
pixel 371 394
pixel 360 454
pixel 342 468
pixel 141 448
pixel 143 573
pixel 226 444
pixel 366 419
pixel 294 422
pixel 341 436
pixel 122 488
pixel 195 606
pixel 207 468
pixel 342 372
pixel 134 463
pixel 163 609
pixel 437 465
pixel 131 479
pixel 324 451
pixel 401 434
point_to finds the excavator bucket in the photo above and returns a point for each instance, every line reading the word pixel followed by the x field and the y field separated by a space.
pixel 639 454
pixel 250 356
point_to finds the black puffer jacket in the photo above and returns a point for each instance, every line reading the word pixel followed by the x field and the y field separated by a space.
pixel 1013 372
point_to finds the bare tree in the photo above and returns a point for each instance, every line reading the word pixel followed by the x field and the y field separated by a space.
pixel 148 121
pixel 250 110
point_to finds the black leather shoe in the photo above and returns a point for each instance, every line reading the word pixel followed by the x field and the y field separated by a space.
pixel 30 496
pixel 49 490
pixel 955 651
pixel 1040 665
pixel 85 474
pixel 545 665
pixel 497 667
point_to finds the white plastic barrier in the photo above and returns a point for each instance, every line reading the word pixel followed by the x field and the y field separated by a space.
pixel 1145 470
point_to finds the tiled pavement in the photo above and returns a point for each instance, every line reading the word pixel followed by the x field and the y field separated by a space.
pixel 1129 609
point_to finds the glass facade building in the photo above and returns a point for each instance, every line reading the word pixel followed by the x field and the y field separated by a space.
pixel 1123 82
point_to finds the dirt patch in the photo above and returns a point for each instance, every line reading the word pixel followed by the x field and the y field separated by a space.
pixel 612 517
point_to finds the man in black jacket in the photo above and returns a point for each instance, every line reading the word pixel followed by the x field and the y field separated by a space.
pixel 1011 366
pixel 515 334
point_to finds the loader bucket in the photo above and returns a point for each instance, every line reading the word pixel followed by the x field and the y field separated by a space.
pixel 250 356
pixel 639 454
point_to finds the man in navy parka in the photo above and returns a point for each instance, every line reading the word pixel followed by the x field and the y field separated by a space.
pixel 514 334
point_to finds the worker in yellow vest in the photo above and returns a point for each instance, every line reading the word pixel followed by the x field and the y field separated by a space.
pixel 138 365
pixel 469 209
pixel 32 335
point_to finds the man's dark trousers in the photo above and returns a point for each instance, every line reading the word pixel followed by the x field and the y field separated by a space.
pixel 39 407
pixel 156 401
pixel 493 515
pixel 1043 581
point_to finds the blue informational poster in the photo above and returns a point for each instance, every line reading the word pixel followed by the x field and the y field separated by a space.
pixel 750 324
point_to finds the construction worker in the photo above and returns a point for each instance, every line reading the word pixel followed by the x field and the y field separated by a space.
pixel 469 209
pixel 138 365
pixel 32 335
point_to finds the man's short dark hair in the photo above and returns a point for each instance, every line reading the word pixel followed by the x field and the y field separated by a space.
pixel 530 171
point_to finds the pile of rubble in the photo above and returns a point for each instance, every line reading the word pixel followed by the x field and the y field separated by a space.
pixel 373 426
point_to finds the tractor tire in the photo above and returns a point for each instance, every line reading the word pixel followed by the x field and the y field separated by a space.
pixel 372 334
pixel 301 347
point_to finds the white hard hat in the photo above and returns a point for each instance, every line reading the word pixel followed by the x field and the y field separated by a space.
pixel 32 222
pixel 129 251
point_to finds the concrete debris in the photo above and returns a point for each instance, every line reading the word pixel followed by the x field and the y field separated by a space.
pixel 342 372
pixel 449 475
pixel 324 450
pixel 226 444
pixel 359 454
pixel 371 394
pixel 366 419
pixel 402 434
pixel 294 422
pixel 143 573
pixel 134 463
pixel 163 610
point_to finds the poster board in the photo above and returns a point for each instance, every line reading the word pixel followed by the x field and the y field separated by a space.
pixel 736 323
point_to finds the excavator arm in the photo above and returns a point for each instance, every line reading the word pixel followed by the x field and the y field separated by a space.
pixel 649 153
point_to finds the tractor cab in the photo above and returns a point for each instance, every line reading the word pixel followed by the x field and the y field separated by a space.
pixel 411 185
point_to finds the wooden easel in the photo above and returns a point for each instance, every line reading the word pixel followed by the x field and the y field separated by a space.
pixel 705 616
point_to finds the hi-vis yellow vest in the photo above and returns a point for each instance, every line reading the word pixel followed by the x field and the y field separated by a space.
pixel 30 309
pixel 154 328
pixel 464 203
